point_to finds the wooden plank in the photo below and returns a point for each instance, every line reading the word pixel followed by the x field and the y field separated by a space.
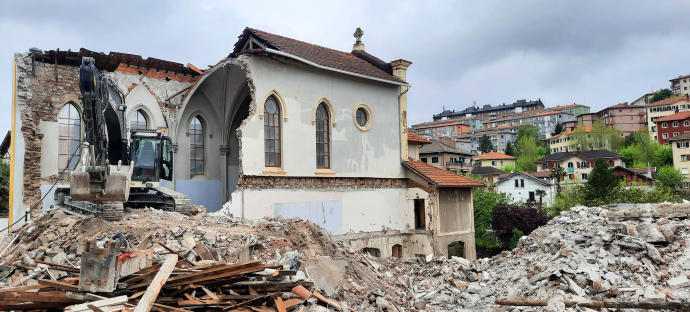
pixel 280 305
pixel 30 306
pixel 256 300
pixel 218 270
pixel 94 308
pixel 175 252
pixel 23 288
pixel 58 285
pixel 293 302
pixel 169 308
pixel 327 301
pixel 98 303
pixel 223 274
pixel 209 293
pixel 59 267
pixel 138 276
pixel 152 291
pixel 36 297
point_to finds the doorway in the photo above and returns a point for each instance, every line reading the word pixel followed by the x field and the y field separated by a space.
pixel 419 214
pixel 456 249
pixel 396 251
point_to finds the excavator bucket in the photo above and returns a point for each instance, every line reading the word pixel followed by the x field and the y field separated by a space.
pixel 116 186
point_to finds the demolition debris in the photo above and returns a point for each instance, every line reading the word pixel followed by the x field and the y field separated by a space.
pixel 623 256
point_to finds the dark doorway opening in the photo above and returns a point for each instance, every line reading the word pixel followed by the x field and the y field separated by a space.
pixel 456 249
pixel 372 251
pixel 396 251
pixel 419 214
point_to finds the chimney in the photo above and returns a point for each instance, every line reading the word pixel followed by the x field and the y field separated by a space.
pixel 400 70
pixel 358 46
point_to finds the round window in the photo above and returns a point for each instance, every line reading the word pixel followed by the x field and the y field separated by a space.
pixel 362 117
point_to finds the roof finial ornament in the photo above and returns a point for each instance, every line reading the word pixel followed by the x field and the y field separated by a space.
pixel 358 46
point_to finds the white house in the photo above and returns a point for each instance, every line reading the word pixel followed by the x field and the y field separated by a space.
pixel 524 187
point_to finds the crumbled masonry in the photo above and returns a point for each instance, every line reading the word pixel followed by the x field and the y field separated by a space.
pixel 624 253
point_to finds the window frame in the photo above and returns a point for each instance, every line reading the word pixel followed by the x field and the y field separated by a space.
pixel 326 131
pixel 269 118
pixel 136 113
pixel 675 124
pixel 193 146
pixel 69 138
pixel 369 113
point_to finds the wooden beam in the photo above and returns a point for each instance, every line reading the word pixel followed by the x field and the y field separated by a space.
pixel 36 297
pixel 59 267
pixel 175 252
pixel 152 291
pixel 94 308
pixel 58 285
pixel 280 305
pixel 23 288
pixel 102 303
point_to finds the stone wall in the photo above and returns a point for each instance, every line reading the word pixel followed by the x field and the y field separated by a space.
pixel 42 89
pixel 263 182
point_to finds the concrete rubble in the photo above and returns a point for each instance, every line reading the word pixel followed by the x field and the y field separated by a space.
pixel 624 253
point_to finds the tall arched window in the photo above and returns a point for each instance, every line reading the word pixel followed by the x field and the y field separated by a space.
pixel 69 124
pixel 196 146
pixel 138 120
pixel 272 132
pixel 323 138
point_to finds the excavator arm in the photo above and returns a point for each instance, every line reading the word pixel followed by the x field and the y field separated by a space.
pixel 96 179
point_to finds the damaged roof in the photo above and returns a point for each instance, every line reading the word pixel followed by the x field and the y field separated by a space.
pixel 363 64
pixel 440 177
pixel 111 61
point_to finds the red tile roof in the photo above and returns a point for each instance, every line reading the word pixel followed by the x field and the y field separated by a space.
pixel 670 100
pixel 411 137
pixel 316 54
pixel 440 177
pixel 494 155
pixel 549 113
pixel 676 116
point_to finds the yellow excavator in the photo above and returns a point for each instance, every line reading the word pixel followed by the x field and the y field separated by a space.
pixel 117 168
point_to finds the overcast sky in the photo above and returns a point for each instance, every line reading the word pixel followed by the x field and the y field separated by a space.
pixel 596 53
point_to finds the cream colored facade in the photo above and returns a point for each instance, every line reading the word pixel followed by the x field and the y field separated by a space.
pixel 496 163
pixel 562 142
pixel 681 158
pixel 655 112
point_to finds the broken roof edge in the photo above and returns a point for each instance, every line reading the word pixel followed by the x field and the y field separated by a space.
pixel 207 73
pixel 341 71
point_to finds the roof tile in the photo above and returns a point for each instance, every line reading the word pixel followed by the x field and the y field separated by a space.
pixel 411 137
pixel 494 155
pixel 440 177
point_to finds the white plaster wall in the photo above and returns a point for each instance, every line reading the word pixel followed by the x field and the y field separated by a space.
pixel 49 148
pixel 361 210
pixel 374 153
pixel 162 88
pixel 19 208
pixel 141 98
pixel 521 194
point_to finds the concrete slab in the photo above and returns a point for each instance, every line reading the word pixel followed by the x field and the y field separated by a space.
pixel 327 273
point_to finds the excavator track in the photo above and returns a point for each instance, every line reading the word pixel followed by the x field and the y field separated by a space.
pixel 183 204
pixel 111 211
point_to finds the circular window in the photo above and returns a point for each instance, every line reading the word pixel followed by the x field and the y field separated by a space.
pixel 362 116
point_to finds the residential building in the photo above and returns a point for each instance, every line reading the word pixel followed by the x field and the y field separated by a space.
pixel 632 177
pixel 488 112
pixel 681 85
pixel 496 160
pixel 680 146
pixel 443 155
pixel 578 165
pixel 644 100
pixel 524 187
pixel 663 108
pixel 569 125
pixel 499 137
pixel 587 119
pixel 564 141
pixel 5 147
pixel 466 145
pixel 489 174
pixel 279 128
pixel 573 109
pixel 672 126
pixel 545 120
pixel 625 117
pixel 414 143
pixel 442 128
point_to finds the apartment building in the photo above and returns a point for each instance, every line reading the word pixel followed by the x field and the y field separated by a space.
pixel 644 100
pixel 578 165
pixel 681 85
pixel 672 126
pixel 442 128
pixel 627 118
pixel 663 108
pixel 499 137
pixel 680 146
pixel 488 112
pixel 545 120
pixel 564 141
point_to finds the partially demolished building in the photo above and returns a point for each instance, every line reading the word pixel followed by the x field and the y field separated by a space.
pixel 280 127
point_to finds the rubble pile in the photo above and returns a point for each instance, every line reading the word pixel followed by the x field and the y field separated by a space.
pixel 623 253
pixel 615 256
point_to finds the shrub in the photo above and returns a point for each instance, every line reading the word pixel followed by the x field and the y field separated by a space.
pixel 600 184
pixel 669 177
pixel 510 217
pixel 484 203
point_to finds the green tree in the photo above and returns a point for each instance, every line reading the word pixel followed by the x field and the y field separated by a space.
pixel 4 187
pixel 527 131
pixel 484 202
pixel 669 177
pixel 557 174
pixel 601 182
pixel 509 149
pixel 558 129
pixel 485 145
pixel 663 155
pixel 599 136
pixel 528 154
pixel 541 194
pixel 662 94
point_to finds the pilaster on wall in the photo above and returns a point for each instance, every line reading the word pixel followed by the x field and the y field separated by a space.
pixel 400 71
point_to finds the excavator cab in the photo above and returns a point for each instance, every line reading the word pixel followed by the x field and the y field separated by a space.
pixel 151 153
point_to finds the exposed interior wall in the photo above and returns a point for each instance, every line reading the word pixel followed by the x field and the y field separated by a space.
pixel 337 211
pixel 455 210
pixel 140 98
pixel 354 153
pixel 413 244
pixel 441 242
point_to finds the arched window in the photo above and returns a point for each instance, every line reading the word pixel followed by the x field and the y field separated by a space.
pixel 570 165
pixel 69 124
pixel 323 137
pixel 196 146
pixel 138 120
pixel 272 132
